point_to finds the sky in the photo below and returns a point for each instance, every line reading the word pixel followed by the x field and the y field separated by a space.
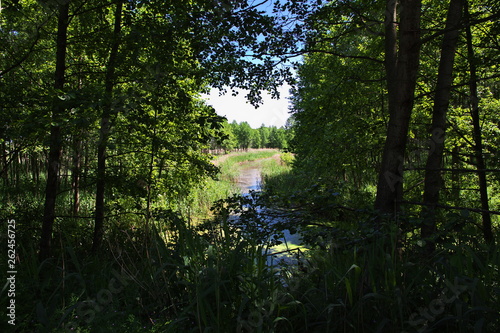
pixel 272 112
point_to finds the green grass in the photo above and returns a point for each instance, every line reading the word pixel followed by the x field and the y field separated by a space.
pixel 183 279
pixel 213 277
pixel 199 204
pixel 200 201
pixel 251 156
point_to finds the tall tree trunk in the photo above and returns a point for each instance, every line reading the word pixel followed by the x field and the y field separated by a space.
pixel 433 181
pixel 32 157
pixel 478 141
pixel 53 164
pixel 401 63
pixel 455 175
pixel 85 161
pixel 75 173
pixel 154 149
pixel 17 168
pixel 106 118
pixel 5 164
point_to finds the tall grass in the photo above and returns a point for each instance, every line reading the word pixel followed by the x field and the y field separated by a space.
pixel 213 277
pixel 198 205
pixel 251 156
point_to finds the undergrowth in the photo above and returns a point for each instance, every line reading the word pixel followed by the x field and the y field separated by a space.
pixel 214 278
pixel 363 272
pixel 197 207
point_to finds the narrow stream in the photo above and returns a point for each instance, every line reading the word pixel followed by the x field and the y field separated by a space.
pixel 250 180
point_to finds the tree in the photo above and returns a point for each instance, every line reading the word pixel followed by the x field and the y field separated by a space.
pixel 342 38
pixel 109 111
pixel 339 101
pixel 264 136
pixel 277 138
pixel 243 133
pixel 58 110
pixel 402 51
pixel 229 142
pixel 477 131
pixel 433 181
pixel 167 54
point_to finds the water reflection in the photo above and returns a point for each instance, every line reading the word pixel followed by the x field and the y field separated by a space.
pixel 250 179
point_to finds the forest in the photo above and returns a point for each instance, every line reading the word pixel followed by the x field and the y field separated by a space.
pixel 236 136
pixel 122 205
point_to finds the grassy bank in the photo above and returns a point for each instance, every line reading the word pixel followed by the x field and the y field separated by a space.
pixel 201 200
pixel 214 278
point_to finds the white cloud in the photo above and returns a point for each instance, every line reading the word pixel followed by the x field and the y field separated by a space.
pixel 272 112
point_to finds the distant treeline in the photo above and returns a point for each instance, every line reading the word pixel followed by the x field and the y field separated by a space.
pixel 242 136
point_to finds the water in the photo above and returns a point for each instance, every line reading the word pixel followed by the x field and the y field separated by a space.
pixel 250 179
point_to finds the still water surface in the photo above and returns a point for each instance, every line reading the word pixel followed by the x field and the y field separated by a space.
pixel 250 179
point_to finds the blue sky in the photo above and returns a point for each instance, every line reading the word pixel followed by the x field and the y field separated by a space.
pixel 272 112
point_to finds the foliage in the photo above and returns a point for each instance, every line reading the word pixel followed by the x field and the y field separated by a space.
pixel 242 136
pixel 340 107
pixel 215 277
pixel 168 265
